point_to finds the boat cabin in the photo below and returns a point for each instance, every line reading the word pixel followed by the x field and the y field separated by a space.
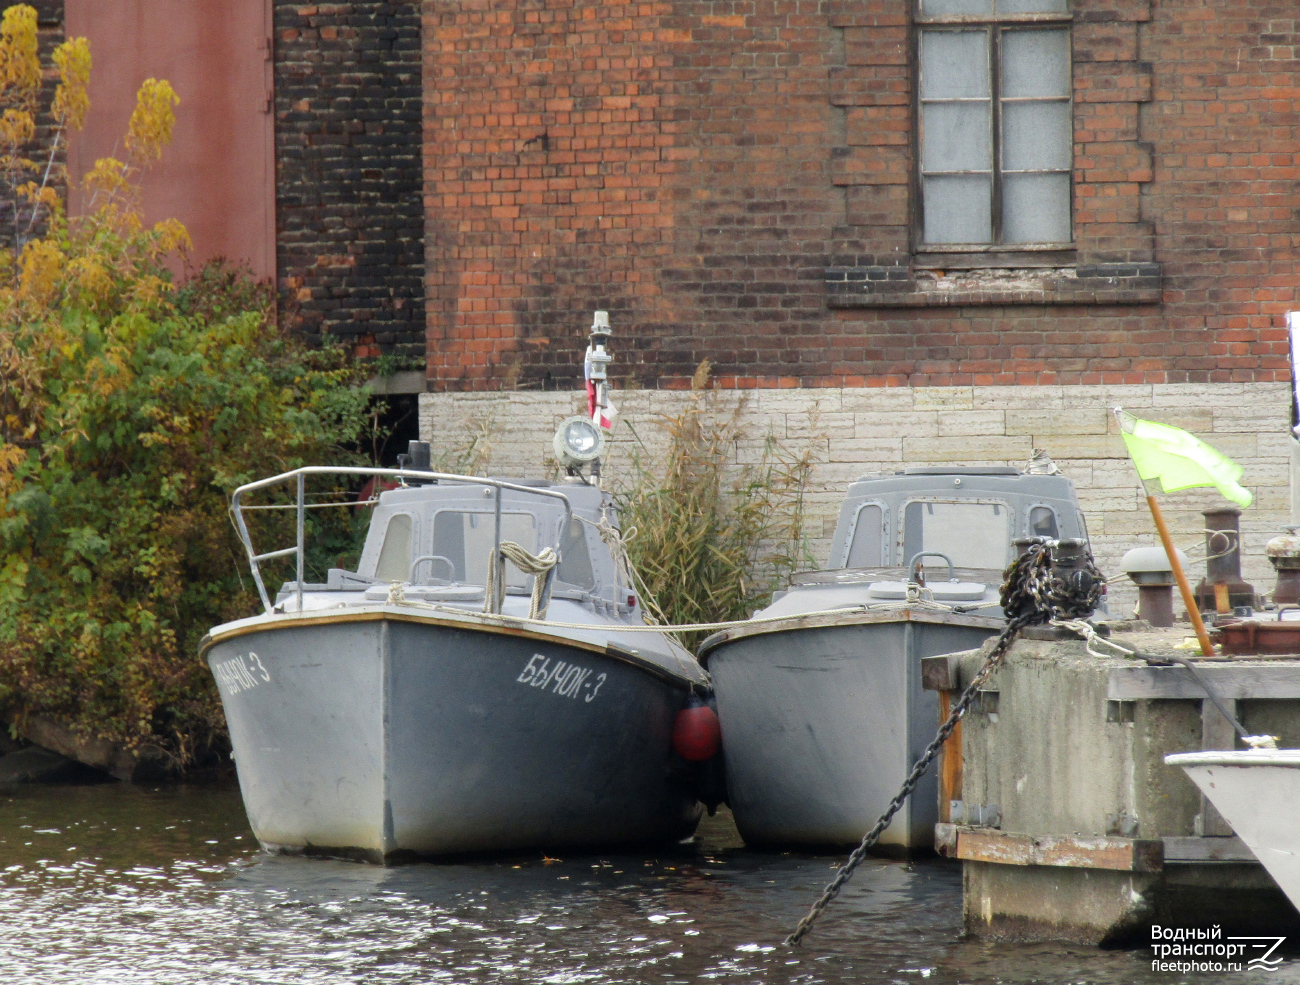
pixel 970 514
pixel 437 539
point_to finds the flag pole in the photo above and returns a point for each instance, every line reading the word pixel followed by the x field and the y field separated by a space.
pixel 1189 600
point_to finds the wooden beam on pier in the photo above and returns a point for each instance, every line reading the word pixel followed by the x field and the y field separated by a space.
pixel 1071 851
pixel 1233 680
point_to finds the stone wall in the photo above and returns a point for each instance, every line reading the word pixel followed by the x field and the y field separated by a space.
pixel 886 428
pixel 350 224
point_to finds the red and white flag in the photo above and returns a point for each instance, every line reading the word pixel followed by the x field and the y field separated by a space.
pixel 603 416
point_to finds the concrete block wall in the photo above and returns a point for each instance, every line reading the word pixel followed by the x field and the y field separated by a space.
pixel 858 430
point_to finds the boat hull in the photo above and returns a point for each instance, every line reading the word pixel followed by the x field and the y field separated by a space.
pixel 820 726
pixel 1258 793
pixel 379 738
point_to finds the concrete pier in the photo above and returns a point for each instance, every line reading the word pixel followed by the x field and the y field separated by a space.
pixel 1056 798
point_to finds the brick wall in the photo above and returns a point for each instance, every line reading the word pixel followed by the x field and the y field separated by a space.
pixel 348 200
pixel 858 430
pixel 733 181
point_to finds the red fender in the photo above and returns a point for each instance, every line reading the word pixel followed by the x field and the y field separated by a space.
pixel 696 732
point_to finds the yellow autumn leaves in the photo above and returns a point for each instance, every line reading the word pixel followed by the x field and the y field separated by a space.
pixel 104 260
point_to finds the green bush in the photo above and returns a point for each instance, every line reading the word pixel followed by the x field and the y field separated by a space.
pixel 118 550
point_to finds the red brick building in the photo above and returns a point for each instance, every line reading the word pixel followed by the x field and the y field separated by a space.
pixel 747 180
pixel 296 150
pixel 958 229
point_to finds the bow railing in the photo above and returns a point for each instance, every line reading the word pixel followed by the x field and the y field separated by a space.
pixel 301 506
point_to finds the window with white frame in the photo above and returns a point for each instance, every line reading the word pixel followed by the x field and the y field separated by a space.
pixel 995 136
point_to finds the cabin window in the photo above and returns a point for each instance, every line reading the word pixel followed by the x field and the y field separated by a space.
pixel 575 559
pixel 465 539
pixel 867 549
pixel 974 535
pixel 395 556
pixel 1042 522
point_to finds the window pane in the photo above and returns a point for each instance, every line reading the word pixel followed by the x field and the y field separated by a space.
pixel 939 8
pixel 466 540
pixel 958 209
pixel 954 64
pixel 868 537
pixel 1035 63
pixel 1036 136
pixel 1036 208
pixel 1042 522
pixel 1032 6
pixel 575 559
pixel 395 556
pixel 974 535
pixel 956 137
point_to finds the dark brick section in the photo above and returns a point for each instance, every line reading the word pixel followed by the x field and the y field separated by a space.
pixel 734 179
pixel 349 214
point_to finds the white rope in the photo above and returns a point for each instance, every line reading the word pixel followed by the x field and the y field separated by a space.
pixel 1090 635
pixel 617 542
pixel 693 626
pixel 530 564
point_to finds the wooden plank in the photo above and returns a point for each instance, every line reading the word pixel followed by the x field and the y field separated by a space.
pixel 1069 851
pixel 1185 849
pixel 945 839
pixel 941 673
pixel 950 761
pixel 1230 680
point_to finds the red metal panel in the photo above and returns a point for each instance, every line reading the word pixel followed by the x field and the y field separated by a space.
pixel 218 176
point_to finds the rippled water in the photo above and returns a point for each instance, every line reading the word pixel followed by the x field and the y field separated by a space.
pixel 118 884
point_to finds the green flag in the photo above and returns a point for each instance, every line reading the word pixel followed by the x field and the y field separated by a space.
pixel 1169 459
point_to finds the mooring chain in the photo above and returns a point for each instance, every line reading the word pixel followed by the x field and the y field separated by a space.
pixel 1031 595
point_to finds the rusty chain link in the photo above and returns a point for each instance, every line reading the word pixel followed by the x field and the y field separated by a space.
pixel 1032 594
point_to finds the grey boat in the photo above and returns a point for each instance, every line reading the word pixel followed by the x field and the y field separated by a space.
pixel 415 706
pixel 820 699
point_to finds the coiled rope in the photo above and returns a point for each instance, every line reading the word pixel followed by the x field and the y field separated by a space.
pixel 1032 594
pixel 530 564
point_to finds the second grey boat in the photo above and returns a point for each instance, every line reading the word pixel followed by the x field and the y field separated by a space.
pixel 820 699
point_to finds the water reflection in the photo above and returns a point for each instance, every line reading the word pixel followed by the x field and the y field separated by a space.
pixel 115 884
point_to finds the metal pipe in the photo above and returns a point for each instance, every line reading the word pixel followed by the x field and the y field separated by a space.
pixel 499 566
pixel 284 553
pixel 1295 482
pixel 237 508
pixel 431 558
pixel 302 498
pixel 247 541
pixel 912 567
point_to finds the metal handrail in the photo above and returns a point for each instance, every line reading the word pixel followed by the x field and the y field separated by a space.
pixel 431 558
pixel 301 474
pixel 911 565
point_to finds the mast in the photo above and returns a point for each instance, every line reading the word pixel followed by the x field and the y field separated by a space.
pixel 597 358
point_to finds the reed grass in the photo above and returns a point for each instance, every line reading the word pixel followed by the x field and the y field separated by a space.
pixel 714 535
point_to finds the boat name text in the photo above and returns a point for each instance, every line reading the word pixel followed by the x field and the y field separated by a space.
pixel 565 679
pixel 241 673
